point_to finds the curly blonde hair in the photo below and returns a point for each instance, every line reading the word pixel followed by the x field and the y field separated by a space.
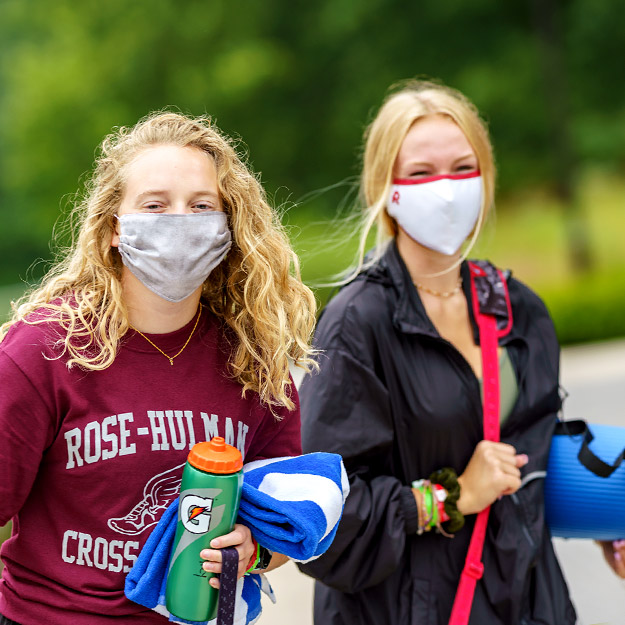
pixel 257 290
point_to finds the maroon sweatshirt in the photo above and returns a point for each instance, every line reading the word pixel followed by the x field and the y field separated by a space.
pixel 89 460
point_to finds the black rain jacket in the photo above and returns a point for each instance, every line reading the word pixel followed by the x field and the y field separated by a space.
pixel 397 401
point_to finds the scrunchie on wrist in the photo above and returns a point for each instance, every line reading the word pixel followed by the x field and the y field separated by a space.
pixel 448 479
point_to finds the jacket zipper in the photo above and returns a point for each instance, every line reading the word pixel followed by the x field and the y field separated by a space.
pixel 526 532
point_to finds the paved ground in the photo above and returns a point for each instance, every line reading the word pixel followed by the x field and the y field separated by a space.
pixel 594 376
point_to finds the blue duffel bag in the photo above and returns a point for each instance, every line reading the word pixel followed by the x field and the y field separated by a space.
pixel 584 494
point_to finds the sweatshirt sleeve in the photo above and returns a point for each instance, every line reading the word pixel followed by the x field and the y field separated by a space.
pixel 26 428
pixel 279 434
pixel 346 410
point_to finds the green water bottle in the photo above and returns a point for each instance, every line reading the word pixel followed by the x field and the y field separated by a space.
pixel 209 502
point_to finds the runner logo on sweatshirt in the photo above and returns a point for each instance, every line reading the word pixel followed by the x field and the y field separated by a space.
pixel 158 493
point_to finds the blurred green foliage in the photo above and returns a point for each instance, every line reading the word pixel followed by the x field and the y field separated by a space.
pixel 589 308
pixel 298 82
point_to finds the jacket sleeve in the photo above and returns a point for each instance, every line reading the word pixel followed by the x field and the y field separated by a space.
pixel 26 430
pixel 346 410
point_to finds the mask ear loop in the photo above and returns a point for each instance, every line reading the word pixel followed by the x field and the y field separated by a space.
pixel 465 254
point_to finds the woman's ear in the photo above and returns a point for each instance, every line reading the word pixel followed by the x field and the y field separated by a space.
pixel 115 235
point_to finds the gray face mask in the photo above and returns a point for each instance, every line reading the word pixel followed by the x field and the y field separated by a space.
pixel 172 255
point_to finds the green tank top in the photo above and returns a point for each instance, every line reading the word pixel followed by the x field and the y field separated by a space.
pixel 508 386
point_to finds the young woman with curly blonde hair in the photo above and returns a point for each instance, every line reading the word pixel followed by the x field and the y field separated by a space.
pixel 171 319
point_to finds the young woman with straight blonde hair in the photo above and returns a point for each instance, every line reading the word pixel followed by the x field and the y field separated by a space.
pixel 170 320
pixel 400 394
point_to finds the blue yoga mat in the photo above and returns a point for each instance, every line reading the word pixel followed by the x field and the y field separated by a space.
pixel 579 503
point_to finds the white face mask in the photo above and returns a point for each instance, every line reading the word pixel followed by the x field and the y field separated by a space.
pixel 172 255
pixel 438 212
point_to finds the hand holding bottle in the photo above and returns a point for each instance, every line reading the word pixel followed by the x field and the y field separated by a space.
pixel 241 538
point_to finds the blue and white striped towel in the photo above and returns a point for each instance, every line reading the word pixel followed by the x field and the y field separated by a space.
pixel 291 505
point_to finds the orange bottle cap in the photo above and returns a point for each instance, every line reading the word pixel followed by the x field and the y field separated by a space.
pixel 215 456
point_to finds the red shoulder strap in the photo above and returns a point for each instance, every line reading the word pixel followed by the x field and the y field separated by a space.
pixel 473 567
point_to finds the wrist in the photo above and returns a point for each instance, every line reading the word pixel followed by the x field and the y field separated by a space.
pixel 430 498
pixel 463 504
pixel 254 559
pixel 468 501
pixel 264 558
pixel 260 560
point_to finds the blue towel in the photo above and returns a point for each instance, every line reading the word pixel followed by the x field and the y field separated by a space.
pixel 291 505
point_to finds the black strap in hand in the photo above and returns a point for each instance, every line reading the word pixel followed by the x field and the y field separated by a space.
pixel 586 456
pixel 227 585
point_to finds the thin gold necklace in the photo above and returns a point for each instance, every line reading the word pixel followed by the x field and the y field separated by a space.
pixel 455 290
pixel 171 358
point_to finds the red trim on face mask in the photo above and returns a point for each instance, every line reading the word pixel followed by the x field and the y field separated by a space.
pixel 470 174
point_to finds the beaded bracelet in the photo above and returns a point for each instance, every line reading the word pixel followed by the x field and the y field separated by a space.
pixel 430 499
pixel 437 500
pixel 424 511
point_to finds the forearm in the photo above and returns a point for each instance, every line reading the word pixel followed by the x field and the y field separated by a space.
pixel 277 560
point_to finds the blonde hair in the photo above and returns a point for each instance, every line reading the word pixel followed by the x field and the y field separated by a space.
pixel 257 290
pixel 407 103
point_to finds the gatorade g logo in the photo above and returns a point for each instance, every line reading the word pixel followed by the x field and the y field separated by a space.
pixel 195 513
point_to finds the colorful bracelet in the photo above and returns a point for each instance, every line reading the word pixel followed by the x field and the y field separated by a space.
pixel 440 496
pixel 437 503
pixel 426 509
pixel 251 565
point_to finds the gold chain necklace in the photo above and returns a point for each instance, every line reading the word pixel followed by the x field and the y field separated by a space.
pixel 439 293
pixel 171 358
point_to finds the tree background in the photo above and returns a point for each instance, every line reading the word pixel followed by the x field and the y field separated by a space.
pixel 298 82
